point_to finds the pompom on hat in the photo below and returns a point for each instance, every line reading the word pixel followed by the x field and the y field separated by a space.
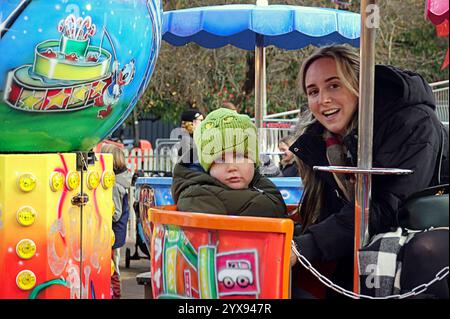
pixel 223 131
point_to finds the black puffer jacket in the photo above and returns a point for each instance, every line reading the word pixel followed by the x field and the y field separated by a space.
pixel 407 134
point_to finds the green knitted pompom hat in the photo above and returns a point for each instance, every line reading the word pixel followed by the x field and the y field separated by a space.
pixel 224 130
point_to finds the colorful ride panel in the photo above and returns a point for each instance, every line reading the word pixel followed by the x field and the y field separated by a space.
pixel 55 226
pixel 219 257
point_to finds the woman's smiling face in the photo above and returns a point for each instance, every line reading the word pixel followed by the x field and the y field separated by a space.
pixel 329 100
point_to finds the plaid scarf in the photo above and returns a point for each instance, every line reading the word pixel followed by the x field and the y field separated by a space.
pixel 380 263
pixel 336 155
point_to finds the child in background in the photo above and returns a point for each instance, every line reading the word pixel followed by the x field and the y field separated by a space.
pixel 226 180
pixel 121 212
pixel 288 165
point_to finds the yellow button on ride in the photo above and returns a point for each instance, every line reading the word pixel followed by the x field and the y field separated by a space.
pixel 93 180
pixel 26 248
pixel 27 182
pixel 26 216
pixel 72 180
pixel 108 179
pixel 56 181
pixel 26 280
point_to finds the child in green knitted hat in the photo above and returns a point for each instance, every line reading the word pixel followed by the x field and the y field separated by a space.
pixel 225 132
pixel 226 180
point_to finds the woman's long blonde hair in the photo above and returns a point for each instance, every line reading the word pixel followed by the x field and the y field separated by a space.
pixel 347 67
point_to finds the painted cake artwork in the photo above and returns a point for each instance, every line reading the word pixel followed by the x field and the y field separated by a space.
pixel 68 91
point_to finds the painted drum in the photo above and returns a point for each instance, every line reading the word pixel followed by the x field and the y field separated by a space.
pixel 71 76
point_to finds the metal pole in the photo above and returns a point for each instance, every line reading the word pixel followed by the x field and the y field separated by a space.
pixel 260 76
pixel 365 130
pixel 260 81
pixel 136 128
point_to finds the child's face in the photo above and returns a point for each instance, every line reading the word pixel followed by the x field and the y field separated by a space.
pixel 234 171
pixel 288 155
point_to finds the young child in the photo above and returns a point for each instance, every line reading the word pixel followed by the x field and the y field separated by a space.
pixel 287 164
pixel 121 212
pixel 226 181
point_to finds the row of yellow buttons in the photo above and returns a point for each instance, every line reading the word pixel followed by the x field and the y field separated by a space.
pixel 25 249
pixel 27 181
pixel 26 215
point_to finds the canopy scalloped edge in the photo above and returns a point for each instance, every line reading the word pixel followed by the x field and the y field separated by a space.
pixel 284 26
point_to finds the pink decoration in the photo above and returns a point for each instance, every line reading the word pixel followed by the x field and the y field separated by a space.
pixel 436 11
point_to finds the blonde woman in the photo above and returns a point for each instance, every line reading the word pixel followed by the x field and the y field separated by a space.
pixel 407 134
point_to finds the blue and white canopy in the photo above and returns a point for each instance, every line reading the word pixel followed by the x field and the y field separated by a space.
pixel 284 26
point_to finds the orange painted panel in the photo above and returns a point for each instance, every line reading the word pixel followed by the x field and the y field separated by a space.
pixel 214 256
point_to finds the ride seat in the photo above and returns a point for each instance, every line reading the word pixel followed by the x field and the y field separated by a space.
pixel 205 256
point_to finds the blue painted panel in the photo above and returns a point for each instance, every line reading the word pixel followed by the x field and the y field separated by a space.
pixel 290 187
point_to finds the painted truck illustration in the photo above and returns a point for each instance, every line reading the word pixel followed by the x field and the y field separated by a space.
pixel 236 272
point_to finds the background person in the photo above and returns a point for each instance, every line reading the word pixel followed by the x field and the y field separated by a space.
pixel 288 166
pixel 186 151
pixel 230 106
pixel 121 210
pixel 190 119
